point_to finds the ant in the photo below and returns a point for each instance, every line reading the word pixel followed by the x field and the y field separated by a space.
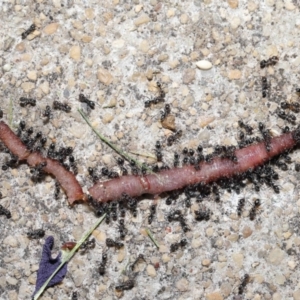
pixel 152 213
pixel 139 258
pixel 172 138
pixel 57 190
pixel 73 164
pixel 1 113
pixel 103 264
pixel 28 31
pixel 240 207
pixel 254 209
pixel 202 215
pixel 47 113
pixel 111 243
pixel 61 106
pixel 265 86
pixel 127 285
pixel 74 296
pixel 288 117
pixel 36 234
pixel 174 247
pixel 159 155
pixel 27 101
pixel 4 211
pixel 165 112
pixel 270 62
pixel 83 99
pixel 294 106
pixel 37 172
pixel 87 245
pixel 243 284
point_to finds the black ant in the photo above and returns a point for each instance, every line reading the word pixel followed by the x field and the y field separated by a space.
pixel 83 99
pixel 265 86
pixel 297 167
pixel 285 116
pixel 27 101
pixel 36 234
pixel 125 286
pixel 87 245
pixel 172 138
pixel 202 215
pixel 1 113
pixel 152 213
pixel 57 190
pixel 103 264
pixel 247 128
pixel 111 243
pixel 37 172
pixel 4 211
pixel 240 207
pixel 73 164
pixel 270 62
pixel 138 259
pixel 61 106
pixel 28 31
pixel 165 112
pixel 174 247
pixel 254 209
pixel 293 106
pixel 159 155
pixel 47 113
pixel 74 296
pixel 122 229
pixel 243 284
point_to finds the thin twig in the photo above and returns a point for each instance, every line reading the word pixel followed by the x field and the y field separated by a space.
pixel 152 238
pixel 115 148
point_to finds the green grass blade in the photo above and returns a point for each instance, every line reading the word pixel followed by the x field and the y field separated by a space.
pixel 66 258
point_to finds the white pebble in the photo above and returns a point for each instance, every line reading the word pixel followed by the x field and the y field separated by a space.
pixel 204 64
pixel 6 67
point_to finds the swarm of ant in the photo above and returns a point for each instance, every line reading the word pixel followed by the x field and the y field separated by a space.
pixel 261 175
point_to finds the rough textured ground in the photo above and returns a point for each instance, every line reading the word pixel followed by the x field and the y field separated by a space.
pixel 114 52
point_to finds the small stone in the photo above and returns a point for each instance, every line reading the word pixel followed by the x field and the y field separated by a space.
pixel 184 18
pixel 182 285
pixel 280 279
pixel 289 5
pixel 144 46
pixel 209 231
pixel 238 258
pixel 276 256
pixel 234 74
pixel 51 28
pixel 296 295
pixel 235 23
pixel 206 262
pixel 107 118
pixel 20 47
pixel 204 64
pixel 6 67
pixel 247 231
pixel 169 122
pixel 214 296
pixel 171 13
pixel 104 76
pixel 11 280
pixel 89 13
pixel 143 19
pixel 32 75
pixel 45 87
pixel 75 52
pixel 233 3
pixel 121 255
pixel 11 241
pixel 119 43
pixel 86 38
pixel 189 76
pixel 151 271
pixel 27 86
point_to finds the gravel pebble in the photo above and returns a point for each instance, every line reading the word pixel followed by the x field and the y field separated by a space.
pixel 182 285
pixel 234 74
pixel 151 271
pixel 104 76
pixel 276 256
pixel 11 241
pixel 204 64
pixel 214 296
pixel 143 19
pixel 188 76
pixel 27 86
pixel 75 52
pixel 51 28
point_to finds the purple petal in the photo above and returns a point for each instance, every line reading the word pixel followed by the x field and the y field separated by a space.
pixel 48 265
